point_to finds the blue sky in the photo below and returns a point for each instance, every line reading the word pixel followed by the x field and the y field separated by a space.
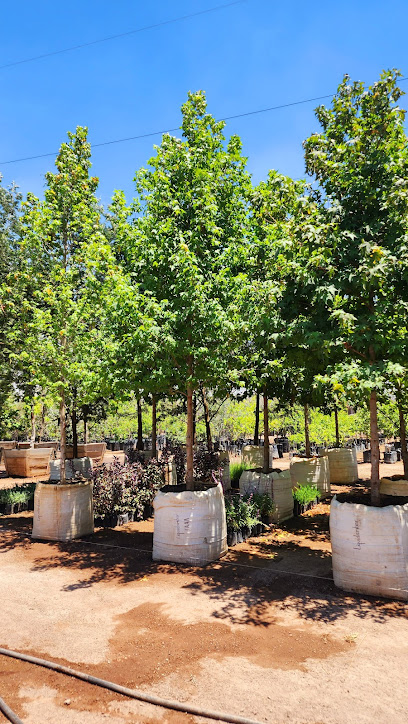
pixel 253 55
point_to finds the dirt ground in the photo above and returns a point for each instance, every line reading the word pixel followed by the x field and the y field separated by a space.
pixel 263 633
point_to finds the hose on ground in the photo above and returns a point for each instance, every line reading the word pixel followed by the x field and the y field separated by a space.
pixel 9 713
pixel 131 693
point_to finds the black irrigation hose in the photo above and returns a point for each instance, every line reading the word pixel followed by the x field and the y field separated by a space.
pixel 9 713
pixel 132 693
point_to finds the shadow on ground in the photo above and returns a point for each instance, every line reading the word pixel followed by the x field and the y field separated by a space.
pixel 272 573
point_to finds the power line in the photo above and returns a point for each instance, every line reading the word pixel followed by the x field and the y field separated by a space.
pixel 177 128
pixel 122 35
pixel 173 130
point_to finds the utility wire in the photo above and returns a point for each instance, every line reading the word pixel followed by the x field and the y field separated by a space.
pixel 172 130
pixel 177 128
pixel 123 35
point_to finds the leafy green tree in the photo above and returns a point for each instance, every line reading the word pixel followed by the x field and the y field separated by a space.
pixel 194 212
pixel 10 207
pixel 275 204
pixel 71 269
pixel 360 160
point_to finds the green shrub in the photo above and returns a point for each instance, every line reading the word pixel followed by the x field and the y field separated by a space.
pixel 305 494
pixel 262 501
pixel 19 494
pixel 236 470
pixel 241 512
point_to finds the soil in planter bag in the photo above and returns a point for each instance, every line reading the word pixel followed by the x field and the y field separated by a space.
pixel 370 548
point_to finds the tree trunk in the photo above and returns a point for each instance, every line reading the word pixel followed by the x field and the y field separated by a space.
pixel 42 424
pixel 336 422
pixel 256 431
pixel 154 427
pixel 74 426
pixel 403 438
pixel 266 466
pixel 139 445
pixel 194 420
pixel 375 450
pixel 63 436
pixel 207 420
pixel 307 434
pixel 190 438
pixel 85 417
pixel 33 426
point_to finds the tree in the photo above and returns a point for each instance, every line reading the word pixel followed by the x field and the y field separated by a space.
pixel 360 160
pixel 263 360
pixel 10 207
pixel 193 213
pixel 72 271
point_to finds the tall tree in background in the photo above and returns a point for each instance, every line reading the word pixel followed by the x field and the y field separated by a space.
pixel 10 207
pixel 70 266
pixel 262 360
pixel 360 160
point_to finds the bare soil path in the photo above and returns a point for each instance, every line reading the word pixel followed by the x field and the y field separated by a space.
pixel 263 633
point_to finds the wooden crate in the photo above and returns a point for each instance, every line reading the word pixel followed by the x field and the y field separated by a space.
pixel 94 450
pixel 52 443
pixel 7 445
pixel 28 463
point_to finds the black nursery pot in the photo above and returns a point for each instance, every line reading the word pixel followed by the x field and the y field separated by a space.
pixel 232 538
pixel 148 512
pixel 112 520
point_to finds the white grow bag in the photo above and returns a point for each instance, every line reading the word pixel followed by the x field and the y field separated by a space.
pixel 190 526
pixel 63 512
pixel 82 466
pixel 277 485
pixel 312 471
pixel 253 455
pixel 370 548
pixel 343 465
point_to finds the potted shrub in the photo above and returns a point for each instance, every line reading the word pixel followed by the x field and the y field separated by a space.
pixel 312 471
pixel 305 497
pixel 123 493
pixel 15 500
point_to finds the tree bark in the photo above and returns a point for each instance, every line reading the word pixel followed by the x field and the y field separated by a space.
pixel 42 425
pixel 154 427
pixel 190 437
pixel 336 422
pixel 139 445
pixel 307 434
pixel 63 436
pixel 85 418
pixel 375 450
pixel 74 426
pixel 194 420
pixel 207 420
pixel 33 426
pixel 256 430
pixel 266 467
pixel 403 438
